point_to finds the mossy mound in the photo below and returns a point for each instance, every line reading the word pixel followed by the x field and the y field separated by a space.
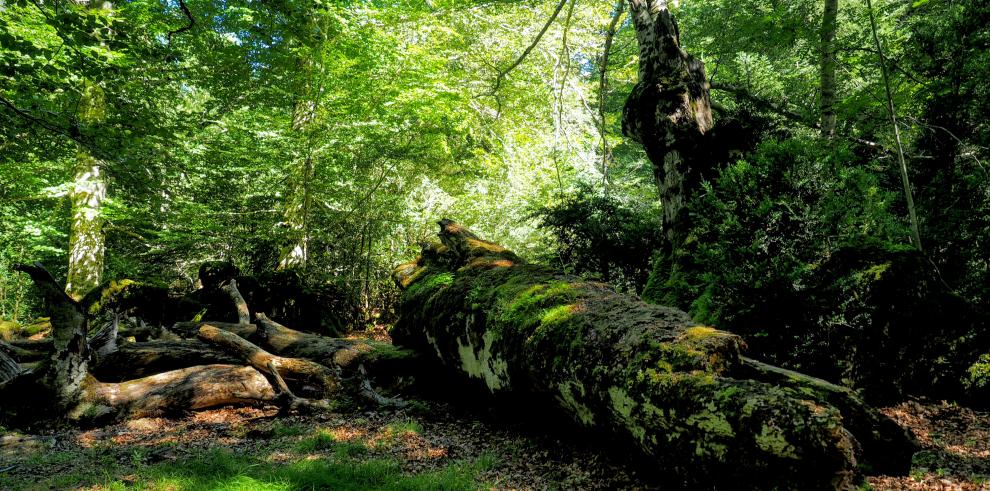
pixel 646 373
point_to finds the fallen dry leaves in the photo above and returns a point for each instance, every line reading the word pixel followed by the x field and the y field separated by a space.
pixel 523 455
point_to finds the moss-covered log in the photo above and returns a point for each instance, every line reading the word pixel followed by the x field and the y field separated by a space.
pixel 648 373
pixel 191 329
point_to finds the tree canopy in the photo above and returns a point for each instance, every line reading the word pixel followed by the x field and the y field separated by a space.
pixel 813 176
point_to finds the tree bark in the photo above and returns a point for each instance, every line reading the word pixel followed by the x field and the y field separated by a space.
pixel 21 354
pixel 326 380
pixel 66 370
pixel 89 191
pixel 649 374
pixel 620 7
pixel 191 329
pixel 892 112
pixel 243 313
pixel 668 112
pixel 133 360
pixel 830 15
pixel 9 368
pixel 190 388
pixel 284 341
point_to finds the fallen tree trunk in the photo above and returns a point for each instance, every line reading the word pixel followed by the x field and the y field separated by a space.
pixel 647 373
pixel 341 352
pixel 191 329
pixel 9 368
pixel 134 360
pixel 326 380
pixel 45 344
pixel 22 354
pixel 190 388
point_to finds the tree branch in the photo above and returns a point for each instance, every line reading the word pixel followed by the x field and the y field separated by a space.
pixel 188 14
pixel 502 74
pixel 620 8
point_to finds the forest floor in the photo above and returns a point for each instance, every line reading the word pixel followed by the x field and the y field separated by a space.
pixel 434 446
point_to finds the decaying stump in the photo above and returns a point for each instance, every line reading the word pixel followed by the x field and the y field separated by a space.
pixel 680 391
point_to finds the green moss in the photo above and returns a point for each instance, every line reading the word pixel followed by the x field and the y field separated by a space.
pixel 701 332
pixel 429 283
pixel 110 290
pixel 558 315
pixel 772 440
pixel 387 351
pixel 568 399
pixel 8 329
pixel 623 406
pixel 712 422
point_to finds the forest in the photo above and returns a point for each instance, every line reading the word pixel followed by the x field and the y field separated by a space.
pixel 494 244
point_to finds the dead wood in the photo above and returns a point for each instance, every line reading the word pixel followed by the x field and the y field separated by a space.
pixel 191 329
pixel 190 388
pixel 300 370
pixel 243 314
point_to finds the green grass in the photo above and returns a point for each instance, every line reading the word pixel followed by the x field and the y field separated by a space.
pixel 322 440
pixel 226 470
pixel 281 430
pixel 223 470
pixel 405 426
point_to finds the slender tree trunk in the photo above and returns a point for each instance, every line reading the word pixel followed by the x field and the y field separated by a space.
pixel 905 181
pixel 296 254
pixel 613 25
pixel 89 190
pixel 829 26
pixel 668 112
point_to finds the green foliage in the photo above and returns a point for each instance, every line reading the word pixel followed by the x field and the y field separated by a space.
pixel 768 218
pixel 600 235
pixel 979 373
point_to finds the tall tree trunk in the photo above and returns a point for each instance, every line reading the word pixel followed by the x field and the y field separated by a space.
pixel 89 190
pixel 299 200
pixel 620 7
pixel 830 17
pixel 668 112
